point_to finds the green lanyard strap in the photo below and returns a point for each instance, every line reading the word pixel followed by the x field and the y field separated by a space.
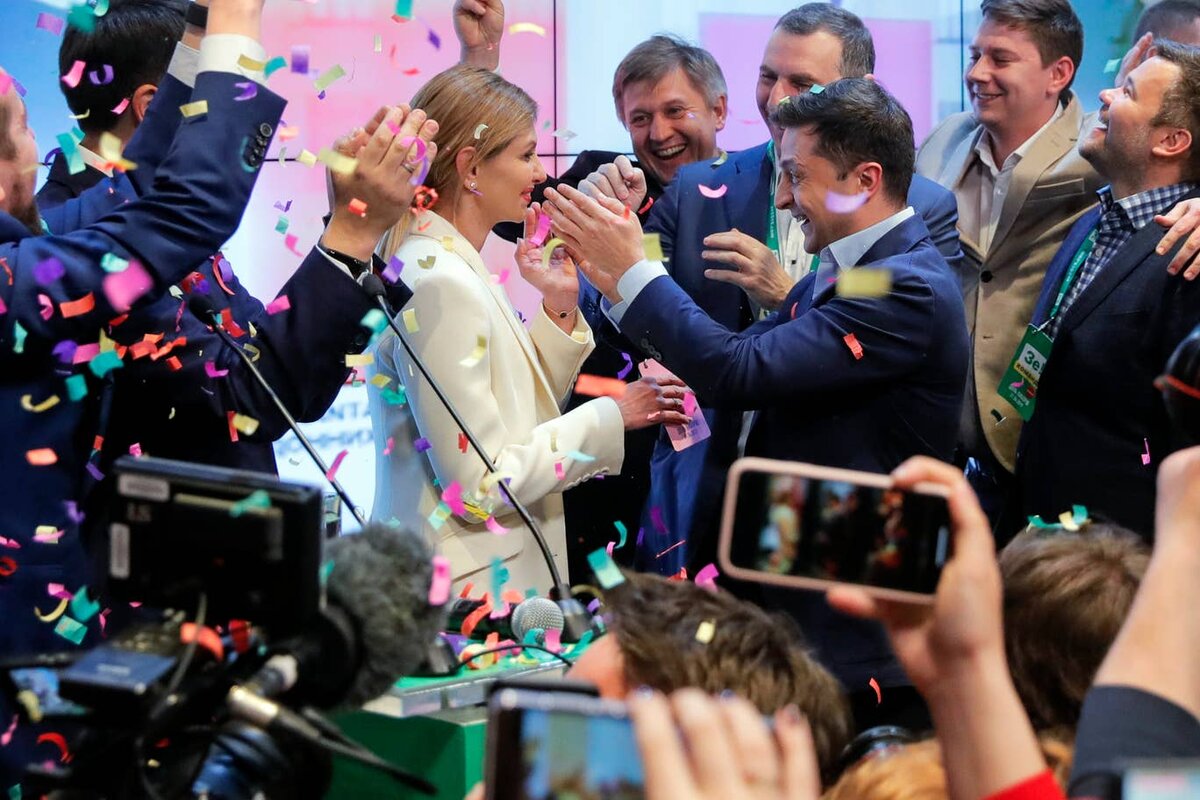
pixel 1081 255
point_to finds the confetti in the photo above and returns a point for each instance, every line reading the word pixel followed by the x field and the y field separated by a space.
pixel 554 640
pixel 421 444
pixel 495 527
pixel 48 271
pixel 874 684
pixel 359 359
pixel 378 44
pixel 542 231
pixel 598 386
pixel 864 282
pixel 404 8
pixel 289 241
pixel 28 404
pixel 434 39
pixel 76 388
pixel 705 631
pixel 102 78
pixel 844 203
pixel 124 287
pixel 480 128
pixel 410 320
pixel 1111 66
pixel 560 471
pixel 817 88
pixel 706 577
pixel 620 526
pixel 70 151
pixel 246 62
pixel 1146 455
pixel 427 262
pixel 582 458
pixel 300 58
pixel 119 108
pixel 210 369
pixel 74 74
pixel 328 77
pixel 83 607
pixel 341 164
pixel 51 23
pixel 249 92
pixel 75 308
pixel 282 224
pixel 281 303
pixel 41 457
pixel 391 273
pixel 274 65
pixel 607 573
pixel 374 320
pixel 358 207
pixel 306 158
pixel 6 737
pixel 855 348
pixel 244 424
pixel 652 245
pixel 477 354
pixel 110 149
pixel 439 584
pixel 548 251
pixel 713 194
pixel 73 632
pixel 48 534
pixel 564 134
pixel 8 567
pixel 462 442
pixel 337 463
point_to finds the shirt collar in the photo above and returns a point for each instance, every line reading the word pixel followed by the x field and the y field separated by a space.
pixel 95 161
pixel 1139 210
pixel 983 147
pixel 849 250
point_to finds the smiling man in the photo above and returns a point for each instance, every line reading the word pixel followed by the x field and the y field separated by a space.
pixel 1020 184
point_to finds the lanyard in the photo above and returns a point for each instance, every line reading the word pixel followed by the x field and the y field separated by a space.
pixel 1081 255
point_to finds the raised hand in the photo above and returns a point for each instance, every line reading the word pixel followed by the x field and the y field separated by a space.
pixel 604 236
pixel 620 180
pixel 653 401
pixel 749 264
pixel 479 24
pixel 557 280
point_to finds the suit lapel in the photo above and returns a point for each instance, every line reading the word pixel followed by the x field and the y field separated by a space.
pixel 751 179
pixel 900 239
pixel 954 167
pixel 1058 139
pixel 1062 259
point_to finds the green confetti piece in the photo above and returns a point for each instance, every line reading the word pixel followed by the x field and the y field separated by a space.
pixel 70 150
pixel 19 335
pixel 817 88
pixel 438 517
pixel 582 458
pixel 326 570
pixel 328 77
pixel 83 606
pixel 606 571
pixel 274 65
pixel 374 320
pixel 105 363
pixel 70 630
pixel 531 592
pixel 394 397
pixel 111 262
pixel 14 792
pixel 256 499
pixel 1037 522
pixel 282 225
pixel 620 526
pixel 1111 66
pixel 82 17
pixel 76 387
pixel 404 8
pixel 101 8
pixel 1080 514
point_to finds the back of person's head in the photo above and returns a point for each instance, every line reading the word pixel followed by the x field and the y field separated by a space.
pixel 1180 386
pixel 1066 595
pixel 460 99
pixel 1053 26
pixel 754 654
pixel 857 121
pixel 660 55
pixel 1170 19
pixel 1181 102
pixel 916 772
pixel 136 38
pixel 858 48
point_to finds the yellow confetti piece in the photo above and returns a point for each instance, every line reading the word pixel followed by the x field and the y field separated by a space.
pixel 343 165
pixel 864 282
pixel 1068 521
pixel 706 631
pixel 329 76
pixel 32 706
pixel 28 404
pixel 194 109
pixel 448 243
pixel 244 424
pixel 477 354
pixel 110 151
pixel 480 128
pixel 548 250
pixel 427 262
pixel 410 320
pixel 306 158
pixel 526 27
pixel 652 245
pixel 246 62
pixel 380 381
pixel 554 441
pixel 360 360
pixel 53 615
pixel 378 43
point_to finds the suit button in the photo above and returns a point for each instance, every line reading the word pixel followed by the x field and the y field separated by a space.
pixel 265 129
pixel 985 276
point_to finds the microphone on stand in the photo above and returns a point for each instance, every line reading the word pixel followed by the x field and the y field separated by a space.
pixel 201 306
pixel 576 619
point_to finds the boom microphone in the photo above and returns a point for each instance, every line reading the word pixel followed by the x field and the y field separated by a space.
pixel 576 619
pixel 201 306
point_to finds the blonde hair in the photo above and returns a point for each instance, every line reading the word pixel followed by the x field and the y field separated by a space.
pixel 462 99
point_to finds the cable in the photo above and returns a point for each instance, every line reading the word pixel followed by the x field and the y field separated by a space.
pixel 514 646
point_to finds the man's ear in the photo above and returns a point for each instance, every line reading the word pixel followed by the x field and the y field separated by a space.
pixel 721 109
pixel 142 96
pixel 1174 143
pixel 870 178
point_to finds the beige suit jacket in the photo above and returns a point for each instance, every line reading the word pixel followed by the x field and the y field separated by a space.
pixel 1052 186
pixel 509 394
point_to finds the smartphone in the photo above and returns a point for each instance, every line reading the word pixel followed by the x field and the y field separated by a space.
pixel 560 744
pixel 1162 780
pixel 810 527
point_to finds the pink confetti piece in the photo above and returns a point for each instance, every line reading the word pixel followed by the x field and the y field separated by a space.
pixel 874 684
pixel 125 287
pixel 337 463
pixel 59 592
pixel 856 349
pixel 51 23
pixel 625 370
pixel 47 306
pixel 289 241
pixel 542 230
pixel 120 107
pixel 391 443
pixel 281 303
pixel 1146 455
pixel 707 576
pixel 135 449
pixel 554 640
pixel 495 527
pixel 6 83
pixel 452 497
pixel 101 77
pixel 74 74
pixel 439 585
pixel 6 737
pixel 211 370
pixel 559 470
pixel 844 203
pixel 609 548
pixel 11 544
pixel 85 353
pixel 712 193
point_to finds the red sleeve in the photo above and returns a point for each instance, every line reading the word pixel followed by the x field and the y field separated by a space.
pixel 1039 787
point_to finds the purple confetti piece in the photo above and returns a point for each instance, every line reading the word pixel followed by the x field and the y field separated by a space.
pixel 226 271
pixel 73 512
pixel 391 272
pixel 656 518
pixel 94 471
pixel 422 444
pixel 48 271
pixel 641 536
pixel 300 56
pixel 65 351
pixel 249 91
pixel 627 368
pixel 282 207
pixel 434 39
pixel 21 90
pixel 321 96
pixel 592 606
pixel 95 76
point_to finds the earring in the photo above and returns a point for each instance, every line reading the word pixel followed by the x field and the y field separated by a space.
pixel 473 188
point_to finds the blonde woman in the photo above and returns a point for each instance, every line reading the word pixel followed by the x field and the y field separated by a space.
pixel 508 382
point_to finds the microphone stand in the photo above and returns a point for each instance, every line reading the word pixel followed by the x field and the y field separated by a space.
pixel 202 309
pixel 576 620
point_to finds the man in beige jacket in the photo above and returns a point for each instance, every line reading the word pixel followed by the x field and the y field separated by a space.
pixel 1020 184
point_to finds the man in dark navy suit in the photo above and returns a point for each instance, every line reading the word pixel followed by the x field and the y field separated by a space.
pixel 1110 313
pixel 844 379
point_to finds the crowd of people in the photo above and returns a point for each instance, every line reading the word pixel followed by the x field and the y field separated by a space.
pixel 1033 266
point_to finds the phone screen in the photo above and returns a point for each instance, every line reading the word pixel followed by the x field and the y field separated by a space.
pixel 565 746
pixel 1178 781
pixel 839 531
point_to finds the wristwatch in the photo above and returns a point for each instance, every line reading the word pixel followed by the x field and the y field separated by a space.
pixel 197 15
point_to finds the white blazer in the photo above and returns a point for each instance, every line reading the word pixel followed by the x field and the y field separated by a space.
pixel 510 394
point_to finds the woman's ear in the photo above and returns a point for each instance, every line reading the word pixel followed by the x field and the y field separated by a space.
pixel 465 164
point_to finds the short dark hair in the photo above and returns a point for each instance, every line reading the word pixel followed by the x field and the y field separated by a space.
pixel 1166 18
pixel 1052 24
pixel 856 120
pixel 1066 595
pixel 754 654
pixel 655 58
pixel 1181 101
pixel 858 48
pixel 136 38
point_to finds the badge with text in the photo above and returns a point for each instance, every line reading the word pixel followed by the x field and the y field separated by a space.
pixel 1020 382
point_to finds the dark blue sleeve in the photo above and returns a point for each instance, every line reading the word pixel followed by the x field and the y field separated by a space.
pixel 1119 724
pixel 937 207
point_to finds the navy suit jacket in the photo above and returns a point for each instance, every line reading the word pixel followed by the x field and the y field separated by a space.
pixel 1097 408
pixel 818 403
